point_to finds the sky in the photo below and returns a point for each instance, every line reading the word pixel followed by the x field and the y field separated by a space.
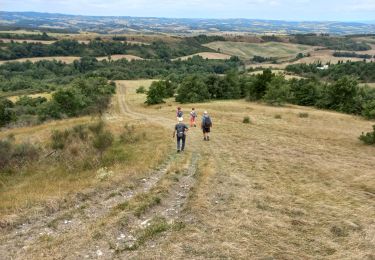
pixel 291 10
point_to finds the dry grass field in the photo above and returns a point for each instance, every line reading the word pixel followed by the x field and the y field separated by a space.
pixel 48 96
pixel 208 55
pixel 247 50
pixel 28 41
pixel 322 56
pixel 281 187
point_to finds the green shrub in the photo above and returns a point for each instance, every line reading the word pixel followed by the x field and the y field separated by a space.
pixel 369 109
pixel 277 116
pixel 368 138
pixel 141 90
pixel 246 120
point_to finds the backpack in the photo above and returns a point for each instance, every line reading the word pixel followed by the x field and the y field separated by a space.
pixel 179 114
pixel 193 114
pixel 207 122
pixel 180 130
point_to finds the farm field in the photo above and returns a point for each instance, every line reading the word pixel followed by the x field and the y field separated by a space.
pixel 207 55
pixel 246 50
pixel 286 187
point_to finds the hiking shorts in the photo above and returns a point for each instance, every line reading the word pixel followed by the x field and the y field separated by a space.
pixel 206 130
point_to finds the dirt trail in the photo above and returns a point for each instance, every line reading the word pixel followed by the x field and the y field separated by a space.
pixel 72 227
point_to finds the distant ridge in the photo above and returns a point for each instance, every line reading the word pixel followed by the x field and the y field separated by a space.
pixel 125 24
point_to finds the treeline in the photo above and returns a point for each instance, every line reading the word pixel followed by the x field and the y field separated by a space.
pixel 331 42
pixel 352 55
pixel 96 48
pixel 364 71
pixel 16 36
pixel 49 75
pixel 83 96
pixel 344 95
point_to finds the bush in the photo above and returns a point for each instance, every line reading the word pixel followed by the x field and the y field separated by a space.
pixel 59 139
pixel 277 116
pixel 6 114
pixel 141 90
pixel 16 155
pixel 303 115
pixel 129 135
pixel 369 109
pixel 368 138
pixel 103 141
pixel 246 120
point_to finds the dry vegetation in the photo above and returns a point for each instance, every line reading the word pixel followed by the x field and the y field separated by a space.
pixel 283 187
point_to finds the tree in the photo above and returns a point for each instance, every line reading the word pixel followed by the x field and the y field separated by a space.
pixel 278 91
pixel 6 113
pixel 156 93
pixel 192 89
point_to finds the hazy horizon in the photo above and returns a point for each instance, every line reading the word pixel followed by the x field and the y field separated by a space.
pixel 287 10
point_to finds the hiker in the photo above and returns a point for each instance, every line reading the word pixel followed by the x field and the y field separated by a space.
pixel 193 116
pixel 179 113
pixel 206 126
pixel 180 130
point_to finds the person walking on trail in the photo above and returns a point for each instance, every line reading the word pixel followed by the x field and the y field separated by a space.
pixel 179 113
pixel 206 126
pixel 180 131
pixel 193 116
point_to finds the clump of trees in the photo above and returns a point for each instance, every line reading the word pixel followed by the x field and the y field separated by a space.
pixel 82 96
pixel 352 55
pixel 331 42
pixel 97 47
pixel 23 36
pixel 364 71
pixel 344 95
pixel 159 90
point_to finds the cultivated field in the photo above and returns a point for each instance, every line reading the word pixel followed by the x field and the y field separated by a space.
pixel 280 187
pixel 246 50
